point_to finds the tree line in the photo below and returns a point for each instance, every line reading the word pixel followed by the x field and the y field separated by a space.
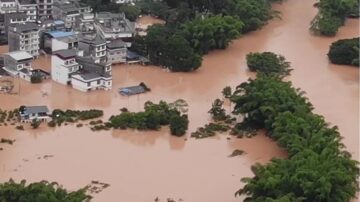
pixel 318 167
pixel 195 27
pixel 332 15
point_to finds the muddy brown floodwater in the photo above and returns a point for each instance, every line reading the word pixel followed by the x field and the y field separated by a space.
pixel 141 166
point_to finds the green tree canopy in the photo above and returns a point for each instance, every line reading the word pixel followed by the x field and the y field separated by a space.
pixel 268 63
pixel 345 52
pixel 39 192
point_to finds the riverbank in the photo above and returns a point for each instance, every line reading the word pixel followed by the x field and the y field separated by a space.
pixel 156 164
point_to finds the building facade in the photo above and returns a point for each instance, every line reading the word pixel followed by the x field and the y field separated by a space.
pixel 44 9
pixel 24 37
pixel 63 65
pixel 116 51
pixel 18 63
pixel 7 6
pixel 29 7
pixel 94 46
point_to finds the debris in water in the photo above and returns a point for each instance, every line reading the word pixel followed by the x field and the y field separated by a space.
pixel 96 187
pixel 236 152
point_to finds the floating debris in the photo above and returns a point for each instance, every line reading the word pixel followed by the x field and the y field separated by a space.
pixel 8 141
pixel 96 187
pixel 237 152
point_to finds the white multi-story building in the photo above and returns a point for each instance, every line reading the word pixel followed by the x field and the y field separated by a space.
pixel 63 64
pixel 80 72
pixel 24 37
pixel 7 6
pixel 29 8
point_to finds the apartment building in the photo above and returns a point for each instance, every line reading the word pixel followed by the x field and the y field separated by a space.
pixel 24 37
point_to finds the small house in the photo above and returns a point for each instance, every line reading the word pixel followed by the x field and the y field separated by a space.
pixel 18 63
pixel 30 113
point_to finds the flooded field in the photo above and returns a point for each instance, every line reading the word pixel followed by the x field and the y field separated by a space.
pixel 140 166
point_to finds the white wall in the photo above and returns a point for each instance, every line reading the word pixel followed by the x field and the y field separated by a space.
pixel 59 73
pixel 58 45
pixel 83 85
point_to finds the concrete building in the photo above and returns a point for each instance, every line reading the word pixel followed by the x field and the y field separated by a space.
pixel 70 13
pixel 24 37
pixel 116 51
pixel 80 72
pixel 13 19
pixel 7 6
pixel 30 113
pixel 85 23
pixel 94 46
pixel 92 76
pixel 44 9
pixel 18 63
pixel 123 1
pixel 29 7
pixel 115 26
pixel 63 65
pixel 58 40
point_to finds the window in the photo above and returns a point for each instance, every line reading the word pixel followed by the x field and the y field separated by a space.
pixel 88 84
pixel 98 82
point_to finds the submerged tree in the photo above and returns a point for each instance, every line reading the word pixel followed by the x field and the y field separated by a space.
pixel 268 63
pixel 345 52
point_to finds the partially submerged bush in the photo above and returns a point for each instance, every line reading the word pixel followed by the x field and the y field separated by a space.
pixel 345 52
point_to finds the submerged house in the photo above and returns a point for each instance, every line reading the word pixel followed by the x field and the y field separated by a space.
pixel 92 76
pixel 116 51
pixel 82 73
pixel 63 65
pixel 18 63
pixel 24 37
pixel 30 113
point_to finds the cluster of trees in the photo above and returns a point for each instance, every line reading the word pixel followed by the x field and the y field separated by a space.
pixel 332 14
pixel 193 28
pixel 59 116
pixel 39 191
pixel 318 167
pixel 345 52
pixel 154 116
pixel 268 63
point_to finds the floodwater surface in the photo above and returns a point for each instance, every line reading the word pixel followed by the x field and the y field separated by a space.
pixel 140 166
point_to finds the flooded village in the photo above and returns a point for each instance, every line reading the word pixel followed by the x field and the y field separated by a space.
pixel 149 165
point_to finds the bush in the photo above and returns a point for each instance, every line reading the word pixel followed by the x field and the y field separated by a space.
pixel 178 125
pixel 345 52
pixel 268 63
pixel 35 78
pixel 35 123
pixel 21 127
pixel 51 123
pixel 39 191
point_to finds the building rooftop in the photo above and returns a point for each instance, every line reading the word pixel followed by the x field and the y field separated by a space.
pixel 20 55
pixel 65 53
pixel 25 27
pixel 92 38
pixel 16 15
pixel 35 109
pixel 57 34
pixel 7 0
pixel 24 2
pixel 117 43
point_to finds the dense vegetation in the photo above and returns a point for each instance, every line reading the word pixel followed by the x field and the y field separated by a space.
pixel 154 116
pixel 332 14
pixel 59 116
pixel 345 52
pixel 317 169
pixel 195 27
pixel 268 63
pixel 39 191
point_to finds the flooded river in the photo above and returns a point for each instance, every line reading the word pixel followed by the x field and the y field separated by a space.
pixel 141 166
